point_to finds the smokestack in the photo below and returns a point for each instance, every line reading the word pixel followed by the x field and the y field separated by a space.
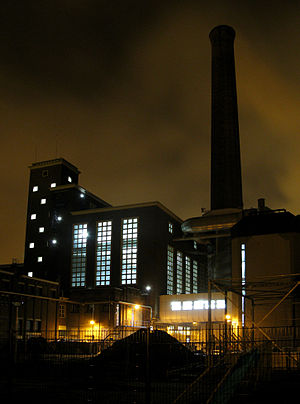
pixel 226 181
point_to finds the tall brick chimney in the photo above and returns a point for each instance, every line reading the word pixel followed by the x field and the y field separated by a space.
pixel 226 181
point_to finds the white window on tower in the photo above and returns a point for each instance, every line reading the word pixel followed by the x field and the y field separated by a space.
pixel 179 272
pixel 31 245
pixel 79 252
pixel 69 179
pixel 41 229
pixel 43 201
pixel 129 251
pixel 170 270
pixel 35 188
pixel 187 275
pixel 53 185
pixel 33 216
pixel 39 259
pixel 103 253
pixel 170 227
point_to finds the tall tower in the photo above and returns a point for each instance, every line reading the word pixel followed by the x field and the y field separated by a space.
pixel 226 182
pixel 45 215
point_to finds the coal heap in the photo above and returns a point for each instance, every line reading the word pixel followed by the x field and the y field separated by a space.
pixel 133 354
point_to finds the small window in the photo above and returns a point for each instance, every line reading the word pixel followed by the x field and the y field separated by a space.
pixel 33 216
pixel 170 228
pixel 35 188
pixel 62 310
pixel 69 179
pixel 29 325
pixel 195 245
pixel 39 259
pixel 30 274
pixel 38 325
pixel 41 229
pixel 43 201
pixel 53 185
pixel 31 245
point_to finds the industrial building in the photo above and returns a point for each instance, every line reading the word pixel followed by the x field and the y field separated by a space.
pixel 125 266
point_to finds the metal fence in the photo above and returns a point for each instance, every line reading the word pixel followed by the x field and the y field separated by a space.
pixel 185 365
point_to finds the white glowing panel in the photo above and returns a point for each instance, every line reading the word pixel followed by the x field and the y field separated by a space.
pixel 197 305
pixel 175 306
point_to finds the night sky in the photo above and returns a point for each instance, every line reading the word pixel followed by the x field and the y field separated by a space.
pixel 121 89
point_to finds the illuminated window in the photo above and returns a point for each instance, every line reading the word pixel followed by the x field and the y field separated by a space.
pixel 187 305
pixel 41 229
pixel 33 216
pixel 69 179
pixel 175 306
pixel 43 201
pixel 195 277
pixel 54 241
pixel 187 275
pixel 39 259
pixel 170 227
pixel 103 253
pixel 79 254
pixel 62 311
pixel 243 276
pixel 195 245
pixel 179 272
pixel 30 274
pixel 31 245
pixel 129 251
pixel 53 185
pixel 220 304
pixel 170 270
pixel 35 188
pixel 200 304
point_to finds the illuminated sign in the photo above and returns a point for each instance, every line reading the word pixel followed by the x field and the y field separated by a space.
pixel 197 305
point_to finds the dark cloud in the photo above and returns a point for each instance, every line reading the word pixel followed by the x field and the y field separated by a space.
pixel 122 90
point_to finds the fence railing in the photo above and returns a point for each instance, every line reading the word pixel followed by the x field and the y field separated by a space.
pixel 151 365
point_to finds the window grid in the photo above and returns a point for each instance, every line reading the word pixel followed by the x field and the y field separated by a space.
pixel 103 253
pixel 170 227
pixel 195 277
pixel 79 254
pixel 179 272
pixel 129 251
pixel 170 270
pixel 187 275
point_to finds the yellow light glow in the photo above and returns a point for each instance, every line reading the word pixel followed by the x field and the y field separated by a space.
pixel 92 322
pixel 228 317
pixel 137 306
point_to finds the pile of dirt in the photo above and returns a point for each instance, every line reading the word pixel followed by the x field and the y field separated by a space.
pixel 158 351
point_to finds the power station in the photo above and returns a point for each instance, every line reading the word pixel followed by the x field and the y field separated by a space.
pixel 140 264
